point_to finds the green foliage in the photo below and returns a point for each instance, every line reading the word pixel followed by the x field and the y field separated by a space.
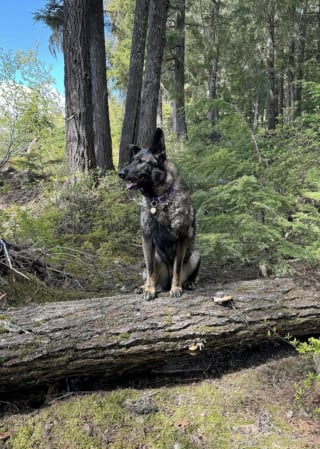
pixel 118 43
pixel 30 114
pixel 116 111
pixel 311 346
pixel 312 380
pixel 257 195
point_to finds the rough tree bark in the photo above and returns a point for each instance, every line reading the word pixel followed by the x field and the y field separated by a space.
pixel 78 88
pixel 88 137
pixel 152 74
pixel 301 56
pixel 123 335
pixel 129 133
pixel 215 60
pixel 100 105
pixel 179 116
pixel 272 97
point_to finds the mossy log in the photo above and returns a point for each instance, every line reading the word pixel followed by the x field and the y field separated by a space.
pixel 121 335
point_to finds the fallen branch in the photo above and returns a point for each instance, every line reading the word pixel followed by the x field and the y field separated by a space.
pixel 4 249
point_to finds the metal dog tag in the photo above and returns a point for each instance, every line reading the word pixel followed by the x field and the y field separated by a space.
pixel 153 208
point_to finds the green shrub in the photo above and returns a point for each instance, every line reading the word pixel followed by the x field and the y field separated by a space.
pixel 88 233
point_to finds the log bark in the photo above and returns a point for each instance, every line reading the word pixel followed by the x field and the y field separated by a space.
pixel 123 334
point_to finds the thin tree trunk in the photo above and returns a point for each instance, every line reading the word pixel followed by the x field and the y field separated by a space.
pixel 255 113
pixel 179 100
pixel 272 99
pixel 300 57
pixel 129 133
pixel 152 73
pixel 124 334
pixel 291 86
pixel 100 107
pixel 318 40
pixel 213 72
pixel 281 97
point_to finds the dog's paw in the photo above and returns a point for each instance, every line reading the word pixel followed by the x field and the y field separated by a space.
pixel 176 292
pixel 189 285
pixel 149 294
pixel 139 290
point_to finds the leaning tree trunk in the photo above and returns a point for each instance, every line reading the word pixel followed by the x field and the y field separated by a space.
pixel 129 133
pixel 125 335
pixel 78 88
pixel 152 73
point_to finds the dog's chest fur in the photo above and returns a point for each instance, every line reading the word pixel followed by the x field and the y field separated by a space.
pixel 174 218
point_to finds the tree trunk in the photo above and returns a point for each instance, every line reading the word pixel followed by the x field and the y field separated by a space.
pixel 281 97
pixel 213 71
pixel 78 87
pixel 272 99
pixel 291 85
pixel 152 73
pixel 318 39
pixel 88 136
pixel 301 57
pixel 255 108
pixel 179 120
pixel 125 335
pixel 100 107
pixel 129 133
pixel 159 121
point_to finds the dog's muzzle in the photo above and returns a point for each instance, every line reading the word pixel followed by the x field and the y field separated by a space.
pixel 123 174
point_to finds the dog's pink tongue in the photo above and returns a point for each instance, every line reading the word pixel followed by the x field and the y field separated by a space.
pixel 132 185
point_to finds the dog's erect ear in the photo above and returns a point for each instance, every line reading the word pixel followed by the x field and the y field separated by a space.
pixel 133 149
pixel 158 147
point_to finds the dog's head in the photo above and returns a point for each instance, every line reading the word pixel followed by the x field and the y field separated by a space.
pixel 146 169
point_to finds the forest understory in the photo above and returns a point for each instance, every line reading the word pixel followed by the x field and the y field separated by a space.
pixel 261 396
pixel 235 87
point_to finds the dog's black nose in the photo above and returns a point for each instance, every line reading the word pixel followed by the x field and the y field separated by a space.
pixel 122 173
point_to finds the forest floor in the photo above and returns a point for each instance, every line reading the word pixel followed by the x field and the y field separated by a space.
pixel 259 398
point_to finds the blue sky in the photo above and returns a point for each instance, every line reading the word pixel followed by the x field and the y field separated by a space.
pixel 18 31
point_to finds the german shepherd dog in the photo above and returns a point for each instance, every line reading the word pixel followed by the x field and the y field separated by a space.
pixel 167 220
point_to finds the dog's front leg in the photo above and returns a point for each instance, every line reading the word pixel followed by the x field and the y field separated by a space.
pixel 149 288
pixel 176 285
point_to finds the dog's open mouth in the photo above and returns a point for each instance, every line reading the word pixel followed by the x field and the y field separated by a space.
pixel 132 185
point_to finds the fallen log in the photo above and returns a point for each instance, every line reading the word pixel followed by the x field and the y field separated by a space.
pixel 123 334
